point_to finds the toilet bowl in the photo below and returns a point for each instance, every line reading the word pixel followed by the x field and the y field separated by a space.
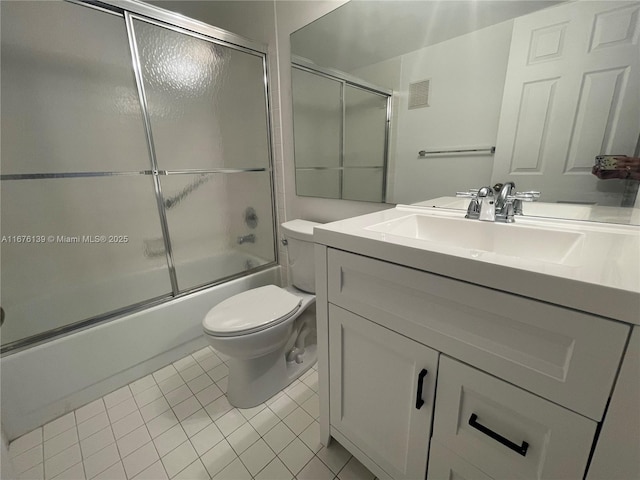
pixel 269 333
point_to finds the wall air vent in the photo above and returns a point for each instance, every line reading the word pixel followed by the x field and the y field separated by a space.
pixel 419 94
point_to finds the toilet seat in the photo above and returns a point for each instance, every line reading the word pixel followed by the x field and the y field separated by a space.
pixel 251 311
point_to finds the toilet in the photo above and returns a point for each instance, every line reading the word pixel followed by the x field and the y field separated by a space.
pixel 269 333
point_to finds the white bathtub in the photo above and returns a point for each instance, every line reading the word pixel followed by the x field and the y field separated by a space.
pixel 43 382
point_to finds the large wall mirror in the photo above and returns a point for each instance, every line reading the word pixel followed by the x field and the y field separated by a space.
pixel 489 91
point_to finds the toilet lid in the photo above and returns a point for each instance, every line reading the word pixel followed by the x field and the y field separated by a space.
pixel 251 311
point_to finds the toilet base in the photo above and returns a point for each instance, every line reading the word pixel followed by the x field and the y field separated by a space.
pixel 252 382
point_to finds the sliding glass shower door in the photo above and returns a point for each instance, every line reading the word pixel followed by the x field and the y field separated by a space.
pixel 127 168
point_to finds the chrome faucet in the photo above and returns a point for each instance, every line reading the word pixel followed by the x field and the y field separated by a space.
pixel 251 238
pixel 507 203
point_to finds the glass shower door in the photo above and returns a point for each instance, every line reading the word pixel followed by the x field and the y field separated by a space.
pixel 77 196
pixel 207 111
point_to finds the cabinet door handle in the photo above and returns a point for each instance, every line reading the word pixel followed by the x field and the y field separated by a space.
pixel 419 400
pixel 521 449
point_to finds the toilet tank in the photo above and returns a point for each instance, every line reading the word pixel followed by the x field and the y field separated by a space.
pixel 299 236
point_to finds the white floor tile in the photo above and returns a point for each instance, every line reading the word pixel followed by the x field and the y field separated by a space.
pixel 298 420
pixel 312 381
pixel 62 461
pixel 207 438
pixel 196 422
pixel 283 406
pixel 276 470
pixel 154 472
pixel 171 383
pixel 120 395
pixel 122 409
pixel 179 458
pixel 279 437
pixel 312 406
pixel 216 459
pixel 34 473
pixel 169 440
pixel 29 459
pixel 153 409
pixel 178 395
pixel 295 456
pixel 25 442
pixel 74 473
pixel 234 471
pixel 140 460
pixel 249 413
pixel 184 363
pixel 142 384
pixel 209 394
pixel 335 457
pixel 127 424
pixel 311 437
pixel 186 408
pixel 133 441
pixel 243 438
pixel 114 472
pixel 219 372
pixel 162 423
pixel 192 372
pixel 61 442
pixel 223 384
pixel 195 471
pixel 90 410
pixel 147 396
pixel 264 421
pixel 93 425
pixel 299 392
pixel 354 470
pixel 164 373
pixel 218 408
pixel 202 354
pixel 101 460
pixel 210 362
pixel 257 456
pixel 274 399
pixel 59 425
pixel 199 383
pixel 96 442
pixel 315 470
pixel 230 421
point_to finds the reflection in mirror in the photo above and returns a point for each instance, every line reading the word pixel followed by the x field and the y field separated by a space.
pixel 551 85
pixel 341 127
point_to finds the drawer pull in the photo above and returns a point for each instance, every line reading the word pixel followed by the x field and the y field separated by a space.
pixel 521 449
pixel 419 400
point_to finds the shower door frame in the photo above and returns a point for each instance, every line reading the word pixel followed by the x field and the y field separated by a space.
pixel 131 10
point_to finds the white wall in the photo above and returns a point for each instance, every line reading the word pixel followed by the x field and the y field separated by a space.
pixel 467 76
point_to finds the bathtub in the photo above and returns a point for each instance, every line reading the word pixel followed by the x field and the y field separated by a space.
pixel 46 381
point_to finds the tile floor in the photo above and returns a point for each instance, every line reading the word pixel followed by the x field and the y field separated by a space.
pixel 177 424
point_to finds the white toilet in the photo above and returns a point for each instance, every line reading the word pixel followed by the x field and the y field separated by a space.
pixel 269 333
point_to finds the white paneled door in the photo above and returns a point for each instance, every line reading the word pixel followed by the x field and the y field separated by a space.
pixel 572 92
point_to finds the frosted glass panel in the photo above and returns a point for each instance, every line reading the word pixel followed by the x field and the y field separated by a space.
pixel 206 223
pixel 364 184
pixel 91 249
pixel 69 102
pixel 206 102
pixel 365 124
pixel 317 121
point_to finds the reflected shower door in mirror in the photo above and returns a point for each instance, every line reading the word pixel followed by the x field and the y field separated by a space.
pixel 550 84
pixel 341 130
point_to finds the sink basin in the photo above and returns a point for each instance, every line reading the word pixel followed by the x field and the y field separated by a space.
pixel 513 240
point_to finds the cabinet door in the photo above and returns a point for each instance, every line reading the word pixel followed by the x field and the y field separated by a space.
pixel 382 393
pixel 446 465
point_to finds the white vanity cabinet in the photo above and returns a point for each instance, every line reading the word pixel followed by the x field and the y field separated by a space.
pixel 382 393
pixel 529 372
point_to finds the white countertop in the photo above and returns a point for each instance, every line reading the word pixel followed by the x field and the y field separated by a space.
pixel 603 279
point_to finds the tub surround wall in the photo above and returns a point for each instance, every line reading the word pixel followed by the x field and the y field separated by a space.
pixel 46 381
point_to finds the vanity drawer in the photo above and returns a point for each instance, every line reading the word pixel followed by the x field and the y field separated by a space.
pixel 564 355
pixel 505 431
pixel 445 465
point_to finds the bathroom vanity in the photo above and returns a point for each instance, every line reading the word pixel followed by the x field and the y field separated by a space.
pixel 452 347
